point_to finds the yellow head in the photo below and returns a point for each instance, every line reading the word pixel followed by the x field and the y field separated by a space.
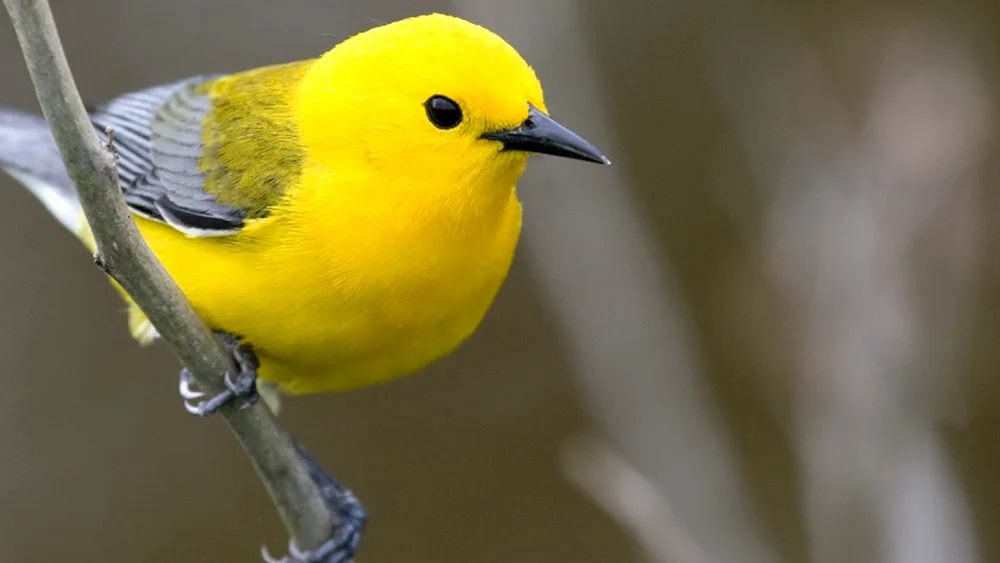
pixel 430 99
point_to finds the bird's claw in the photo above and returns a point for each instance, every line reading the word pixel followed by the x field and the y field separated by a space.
pixel 349 519
pixel 244 386
pixel 186 387
pixel 211 406
pixel 338 549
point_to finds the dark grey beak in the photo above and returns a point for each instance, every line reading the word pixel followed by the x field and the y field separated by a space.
pixel 542 134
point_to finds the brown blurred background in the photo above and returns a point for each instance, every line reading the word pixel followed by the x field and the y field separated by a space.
pixel 766 334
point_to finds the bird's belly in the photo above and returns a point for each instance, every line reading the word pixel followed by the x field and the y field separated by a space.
pixel 345 343
pixel 321 326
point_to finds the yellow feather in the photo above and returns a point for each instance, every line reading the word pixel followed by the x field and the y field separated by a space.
pixel 251 148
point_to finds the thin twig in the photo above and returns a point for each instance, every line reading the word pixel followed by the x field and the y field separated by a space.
pixel 123 254
pixel 631 499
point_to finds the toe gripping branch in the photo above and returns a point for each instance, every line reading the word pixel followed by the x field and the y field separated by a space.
pixel 349 520
pixel 243 386
pixel 348 514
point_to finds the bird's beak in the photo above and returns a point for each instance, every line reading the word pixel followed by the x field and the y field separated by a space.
pixel 542 134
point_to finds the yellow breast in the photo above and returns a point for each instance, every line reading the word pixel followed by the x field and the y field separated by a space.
pixel 337 289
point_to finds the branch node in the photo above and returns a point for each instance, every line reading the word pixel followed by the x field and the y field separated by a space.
pixel 101 263
pixel 109 145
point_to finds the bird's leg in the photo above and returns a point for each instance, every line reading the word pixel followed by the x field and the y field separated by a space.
pixel 348 514
pixel 243 386
pixel 349 519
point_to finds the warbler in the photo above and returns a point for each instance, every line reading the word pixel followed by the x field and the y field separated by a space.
pixel 350 217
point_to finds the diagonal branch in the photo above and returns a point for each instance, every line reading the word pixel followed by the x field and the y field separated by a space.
pixel 124 255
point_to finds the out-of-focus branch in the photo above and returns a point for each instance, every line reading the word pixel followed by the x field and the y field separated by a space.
pixel 125 256
pixel 626 330
pixel 871 232
pixel 631 499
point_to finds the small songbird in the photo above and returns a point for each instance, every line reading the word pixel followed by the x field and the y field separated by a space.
pixel 349 218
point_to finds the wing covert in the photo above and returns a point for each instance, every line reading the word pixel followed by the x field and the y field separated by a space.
pixel 158 136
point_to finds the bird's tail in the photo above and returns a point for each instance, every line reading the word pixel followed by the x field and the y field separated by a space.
pixel 29 154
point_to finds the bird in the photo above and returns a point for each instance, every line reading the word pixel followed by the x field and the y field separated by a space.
pixel 345 220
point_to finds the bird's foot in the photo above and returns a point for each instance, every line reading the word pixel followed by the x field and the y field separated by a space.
pixel 349 520
pixel 241 387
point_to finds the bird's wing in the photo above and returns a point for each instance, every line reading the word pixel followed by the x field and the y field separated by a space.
pixel 202 155
pixel 158 137
pixel 207 153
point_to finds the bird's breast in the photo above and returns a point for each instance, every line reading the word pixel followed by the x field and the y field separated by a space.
pixel 359 300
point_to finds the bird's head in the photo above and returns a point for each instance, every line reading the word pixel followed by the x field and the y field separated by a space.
pixel 431 99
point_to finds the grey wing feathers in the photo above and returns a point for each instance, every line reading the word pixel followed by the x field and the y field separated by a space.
pixel 158 137
pixel 157 133
pixel 177 148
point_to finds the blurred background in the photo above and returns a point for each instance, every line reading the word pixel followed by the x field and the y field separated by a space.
pixel 767 334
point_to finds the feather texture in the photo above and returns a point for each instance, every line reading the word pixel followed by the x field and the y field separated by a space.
pixel 158 135
pixel 201 154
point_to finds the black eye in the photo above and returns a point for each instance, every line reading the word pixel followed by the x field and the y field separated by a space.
pixel 444 113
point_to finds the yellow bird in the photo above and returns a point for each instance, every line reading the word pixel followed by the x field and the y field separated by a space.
pixel 348 218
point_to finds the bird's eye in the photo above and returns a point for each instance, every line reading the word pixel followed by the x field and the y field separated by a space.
pixel 443 112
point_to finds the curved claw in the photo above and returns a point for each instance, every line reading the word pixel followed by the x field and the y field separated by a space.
pixel 202 408
pixel 186 388
pixel 349 518
pixel 243 385
pixel 211 406
pixel 192 409
pixel 339 549
pixel 269 559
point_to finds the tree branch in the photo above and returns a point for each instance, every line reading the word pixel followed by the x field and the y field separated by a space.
pixel 123 254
